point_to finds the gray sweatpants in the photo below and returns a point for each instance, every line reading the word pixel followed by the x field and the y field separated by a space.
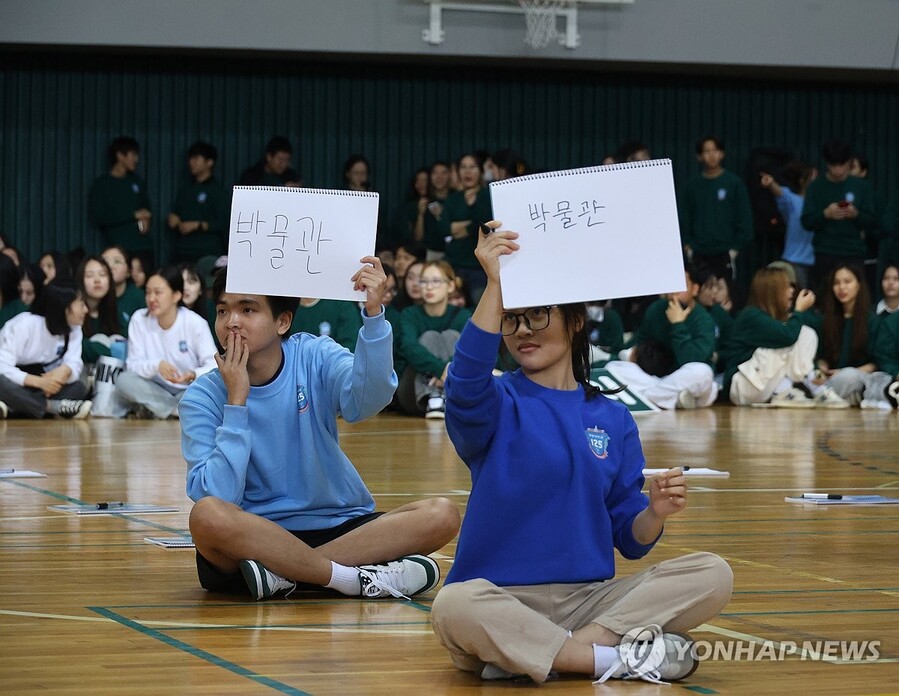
pixel 134 390
pixel 414 386
pixel 854 385
pixel 522 628
pixel 32 402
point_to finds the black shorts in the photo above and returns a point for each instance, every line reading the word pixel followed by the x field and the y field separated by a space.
pixel 214 580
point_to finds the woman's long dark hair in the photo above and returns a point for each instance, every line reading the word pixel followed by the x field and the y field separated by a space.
pixel 52 303
pixel 575 317
pixel 107 311
pixel 835 323
pixel 9 280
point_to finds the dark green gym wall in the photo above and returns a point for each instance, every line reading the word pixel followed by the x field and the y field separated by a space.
pixel 60 110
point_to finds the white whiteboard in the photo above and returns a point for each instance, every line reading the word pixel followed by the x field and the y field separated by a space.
pixel 299 242
pixel 590 234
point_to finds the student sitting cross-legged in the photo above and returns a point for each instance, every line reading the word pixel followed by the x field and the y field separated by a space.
pixel 770 349
pixel 670 361
pixel 277 500
pixel 557 474
pixel 169 346
pixel 40 356
pixel 428 335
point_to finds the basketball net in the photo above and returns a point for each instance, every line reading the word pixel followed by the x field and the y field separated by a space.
pixel 541 21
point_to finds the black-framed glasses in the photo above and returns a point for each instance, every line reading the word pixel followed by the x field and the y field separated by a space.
pixel 535 318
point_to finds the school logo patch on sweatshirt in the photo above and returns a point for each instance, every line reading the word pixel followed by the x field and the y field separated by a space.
pixel 599 442
pixel 302 399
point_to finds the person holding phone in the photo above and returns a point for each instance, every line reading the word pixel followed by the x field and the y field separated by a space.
pixel 838 210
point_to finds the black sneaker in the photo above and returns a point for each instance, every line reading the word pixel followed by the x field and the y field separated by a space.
pixel 76 409
pixel 262 582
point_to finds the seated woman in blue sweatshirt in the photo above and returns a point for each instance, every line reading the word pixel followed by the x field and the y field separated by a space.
pixel 277 500
pixel 556 472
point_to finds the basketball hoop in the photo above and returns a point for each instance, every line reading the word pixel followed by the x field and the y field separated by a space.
pixel 541 21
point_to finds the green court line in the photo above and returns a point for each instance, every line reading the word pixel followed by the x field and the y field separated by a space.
pixel 200 654
pixel 268 626
pixel 69 532
pixel 673 534
pixel 76 501
pixel 810 612
pixel 700 690
pixel 826 591
pixel 52 494
pixel 292 601
pixel 675 523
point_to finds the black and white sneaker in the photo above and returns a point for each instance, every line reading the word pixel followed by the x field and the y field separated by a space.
pixel 262 582
pixel 76 409
pixel 4 411
pixel 436 408
pixel 407 576
pixel 891 392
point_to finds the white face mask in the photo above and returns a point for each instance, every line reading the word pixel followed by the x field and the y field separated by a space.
pixel 596 313
pixel 488 175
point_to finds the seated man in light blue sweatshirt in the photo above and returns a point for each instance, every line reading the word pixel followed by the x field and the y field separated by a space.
pixel 277 501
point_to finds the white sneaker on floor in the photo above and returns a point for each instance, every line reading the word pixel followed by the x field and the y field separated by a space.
pixel 792 398
pixel 491 672
pixel 876 405
pixel 686 400
pixel 828 398
pixel 410 575
pixel 653 656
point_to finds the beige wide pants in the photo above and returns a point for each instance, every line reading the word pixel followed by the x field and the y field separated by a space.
pixel 522 628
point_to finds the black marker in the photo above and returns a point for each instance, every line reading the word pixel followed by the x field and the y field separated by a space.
pixel 484 228
pixel 106 506
pixel 821 496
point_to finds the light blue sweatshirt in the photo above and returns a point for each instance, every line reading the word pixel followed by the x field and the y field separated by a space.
pixel 278 457
pixel 797 239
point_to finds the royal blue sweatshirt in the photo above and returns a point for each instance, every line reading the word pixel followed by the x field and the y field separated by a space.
pixel 556 479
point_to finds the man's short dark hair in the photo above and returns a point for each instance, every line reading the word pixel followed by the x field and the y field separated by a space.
pixel 719 143
pixel 123 144
pixel 700 273
pixel 278 144
pixel 277 304
pixel 836 152
pixel 655 358
pixel 204 150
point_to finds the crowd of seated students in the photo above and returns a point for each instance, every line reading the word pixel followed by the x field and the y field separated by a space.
pixel 830 344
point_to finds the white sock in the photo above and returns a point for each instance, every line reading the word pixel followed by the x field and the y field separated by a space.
pixel 344 579
pixel 603 658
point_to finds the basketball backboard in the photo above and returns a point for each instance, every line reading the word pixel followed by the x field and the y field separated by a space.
pixel 541 17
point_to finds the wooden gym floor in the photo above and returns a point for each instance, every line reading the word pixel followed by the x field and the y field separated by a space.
pixel 86 607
